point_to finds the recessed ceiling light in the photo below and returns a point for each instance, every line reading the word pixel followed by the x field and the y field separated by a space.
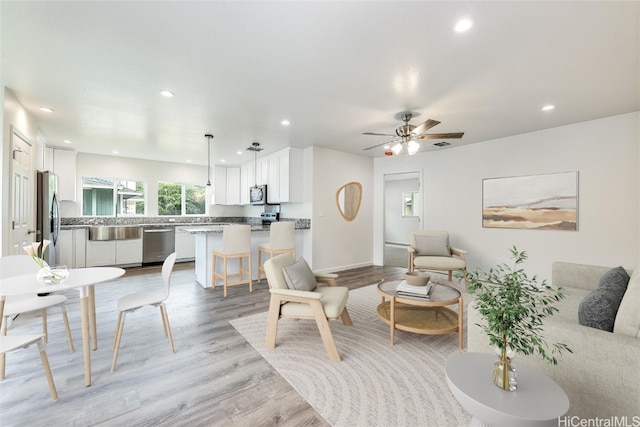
pixel 463 25
pixel 167 93
pixel 548 107
pixel 46 109
pixel 115 152
pixel 239 152
pixel 66 141
pixel 188 160
pixel 223 161
pixel 285 122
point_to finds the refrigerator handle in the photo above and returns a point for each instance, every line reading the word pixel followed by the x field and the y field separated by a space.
pixel 55 218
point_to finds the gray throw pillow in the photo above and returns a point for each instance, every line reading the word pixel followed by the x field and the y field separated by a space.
pixel 432 245
pixel 599 308
pixel 299 276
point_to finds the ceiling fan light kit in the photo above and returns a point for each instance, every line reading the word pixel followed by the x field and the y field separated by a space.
pixel 406 136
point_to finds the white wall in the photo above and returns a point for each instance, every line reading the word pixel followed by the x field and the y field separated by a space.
pixel 398 228
pixel 604 152
pixel 338 244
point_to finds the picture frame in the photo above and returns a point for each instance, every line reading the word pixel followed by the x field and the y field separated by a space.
pixel 532 202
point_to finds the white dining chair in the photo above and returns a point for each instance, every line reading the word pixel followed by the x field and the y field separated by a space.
pixel 132 302
pixel 281 241
pixel 17 265
pixel 16 342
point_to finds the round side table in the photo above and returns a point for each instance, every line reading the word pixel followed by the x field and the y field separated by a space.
pixel 538 401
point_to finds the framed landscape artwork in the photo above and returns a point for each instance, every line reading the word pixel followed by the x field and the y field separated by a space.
pixel 540 202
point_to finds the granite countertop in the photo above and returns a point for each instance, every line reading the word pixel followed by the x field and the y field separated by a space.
pixel 186 227
pixel 203 229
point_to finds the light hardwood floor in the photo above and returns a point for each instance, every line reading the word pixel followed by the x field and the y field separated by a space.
pixel 215 378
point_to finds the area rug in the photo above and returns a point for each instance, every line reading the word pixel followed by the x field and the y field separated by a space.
pixel 376 384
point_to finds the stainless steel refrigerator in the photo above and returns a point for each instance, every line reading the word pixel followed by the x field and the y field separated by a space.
pixel 48 214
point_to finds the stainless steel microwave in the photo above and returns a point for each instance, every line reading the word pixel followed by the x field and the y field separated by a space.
pixel 258 195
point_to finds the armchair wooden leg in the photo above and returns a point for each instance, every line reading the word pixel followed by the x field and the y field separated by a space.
pixel 346 319
pixel 450 275
pixel 325 331
pixel 272 322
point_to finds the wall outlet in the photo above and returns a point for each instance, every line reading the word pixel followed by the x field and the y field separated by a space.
pixel 320 212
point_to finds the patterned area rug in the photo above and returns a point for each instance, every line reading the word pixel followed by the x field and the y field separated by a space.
pixel 376 384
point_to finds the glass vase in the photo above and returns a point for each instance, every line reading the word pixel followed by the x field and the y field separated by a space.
pixel 504 374
pixel 55 275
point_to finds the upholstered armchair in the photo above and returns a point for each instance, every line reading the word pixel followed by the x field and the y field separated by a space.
pixel 296 293
pixel 430 250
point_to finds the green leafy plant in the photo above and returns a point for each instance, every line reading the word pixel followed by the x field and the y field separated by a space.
pixel 514 306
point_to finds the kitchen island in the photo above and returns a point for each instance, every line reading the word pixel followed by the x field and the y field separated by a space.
pixel 209 237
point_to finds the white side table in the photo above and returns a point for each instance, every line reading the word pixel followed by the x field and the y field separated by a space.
pixel 538 401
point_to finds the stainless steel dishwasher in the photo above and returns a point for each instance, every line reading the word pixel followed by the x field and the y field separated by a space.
pixel 158 242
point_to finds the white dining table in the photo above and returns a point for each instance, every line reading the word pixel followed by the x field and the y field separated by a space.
pixel 82 279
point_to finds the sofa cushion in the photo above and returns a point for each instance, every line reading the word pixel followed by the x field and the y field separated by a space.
pixel 432 245
pixel 599 308
pixel 628 317
pixel 299 276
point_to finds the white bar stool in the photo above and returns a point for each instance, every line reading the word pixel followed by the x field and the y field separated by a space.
pixel 236 243
pixel 281 241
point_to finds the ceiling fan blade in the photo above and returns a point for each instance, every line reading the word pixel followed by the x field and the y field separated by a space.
pixel 441 135
pixel 425 126
pixel 380 145
pixel 378 134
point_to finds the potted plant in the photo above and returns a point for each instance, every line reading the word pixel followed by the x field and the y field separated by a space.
pixel 514 306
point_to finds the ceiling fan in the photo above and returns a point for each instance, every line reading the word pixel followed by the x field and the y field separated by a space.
pixel 407 135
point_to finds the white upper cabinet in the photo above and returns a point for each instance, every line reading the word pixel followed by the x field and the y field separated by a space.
pixel 226 186
pixel 280 171
pixel 285 176
pixel 63 163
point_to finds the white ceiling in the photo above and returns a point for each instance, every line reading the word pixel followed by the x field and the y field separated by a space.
pixel 335 69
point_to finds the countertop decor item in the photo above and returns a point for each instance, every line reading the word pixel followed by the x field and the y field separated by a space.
pixel 514 306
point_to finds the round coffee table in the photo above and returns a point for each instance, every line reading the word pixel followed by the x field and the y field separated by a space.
pixel 419 315
pixel 538 401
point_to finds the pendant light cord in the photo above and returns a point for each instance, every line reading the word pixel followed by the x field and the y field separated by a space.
pixel 208 136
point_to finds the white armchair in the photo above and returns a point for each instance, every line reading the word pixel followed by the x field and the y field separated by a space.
pixel 321 304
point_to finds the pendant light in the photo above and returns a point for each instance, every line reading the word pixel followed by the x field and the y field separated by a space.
pixel 255 147
pixel 208 136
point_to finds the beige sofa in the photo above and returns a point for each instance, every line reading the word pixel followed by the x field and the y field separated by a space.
pixel 602 375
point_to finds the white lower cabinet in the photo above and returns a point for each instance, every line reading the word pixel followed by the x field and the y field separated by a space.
pixel 71 248
pixel 101 253
pixel 185 246
pixel 114 252
pixel 129 251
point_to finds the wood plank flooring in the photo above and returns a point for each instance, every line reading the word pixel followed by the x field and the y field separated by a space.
pixel 215 378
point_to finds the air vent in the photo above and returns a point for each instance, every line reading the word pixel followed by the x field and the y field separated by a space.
pixel 442 144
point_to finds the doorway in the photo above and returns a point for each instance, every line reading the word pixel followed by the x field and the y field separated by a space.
pixel 402 215
pixel 21 191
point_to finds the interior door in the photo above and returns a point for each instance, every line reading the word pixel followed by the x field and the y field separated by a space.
pixel 22 197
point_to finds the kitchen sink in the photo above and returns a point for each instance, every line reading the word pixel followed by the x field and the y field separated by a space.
pixel 114 232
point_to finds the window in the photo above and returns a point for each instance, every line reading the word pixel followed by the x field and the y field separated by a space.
pixel 181 199
pixel 112 197
pixel 410 204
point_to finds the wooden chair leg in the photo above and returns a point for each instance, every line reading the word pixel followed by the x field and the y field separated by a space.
pixel 346 319
pixel 45 329
pixel 224 262
pixel 47 370
pixel 119 328
pixel 450 275
pixel 65 319
pixel 167 328
pixel 272 322
pixel 325 331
